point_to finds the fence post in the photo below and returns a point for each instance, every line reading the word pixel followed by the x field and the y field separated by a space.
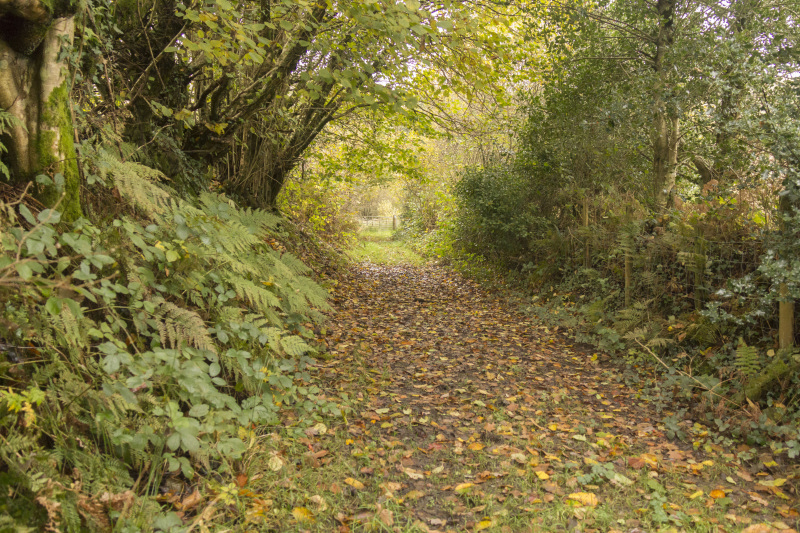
pixel 699 269
pixel 628 261
pixel 394 222
pixel 785 306
pixel 587 259
pixel 785 318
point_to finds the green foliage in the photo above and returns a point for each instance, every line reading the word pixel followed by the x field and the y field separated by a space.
pixel 151 343
pixel 322 207
pixel 7 120
pixel 748 361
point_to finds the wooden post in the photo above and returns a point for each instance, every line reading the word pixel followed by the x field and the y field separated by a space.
pixel 699 270
pixel 628 251
pixel 587 259
pixel 394 222
pixel 785 318
pixel 785 306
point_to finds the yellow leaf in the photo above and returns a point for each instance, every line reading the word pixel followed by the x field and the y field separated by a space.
pixel 356 484
pixel 542 475
pixel 483 524
pixel 772 482
pixel 717 494
pixel 649 459
pixel 476 446
pixel 413 474
pixel 770 463
pixel 461 488
pixel 553 427
pixel 696 495
pixel 708 463
pixel 275 463
pixel 301 514
pixel 586 498
pixel 386 425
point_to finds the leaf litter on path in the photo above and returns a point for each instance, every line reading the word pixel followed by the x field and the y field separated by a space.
pixel 468 416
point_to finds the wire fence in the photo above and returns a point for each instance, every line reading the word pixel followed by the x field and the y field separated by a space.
pixel 381 223
pixel 686 265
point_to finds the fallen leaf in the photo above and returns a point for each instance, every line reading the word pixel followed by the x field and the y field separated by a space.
pixel 771 482
pixel 301 514
pixel 650 459
pixel 635 462
pixel 275 463
pixel 717 494
pixel 759 528
pixel 542 475
pixel 190 501
pixel 476 446
pixel 356 484
pixel 461 488
pixel 486 523
pixel 586 498
pixel 413 474
pixel 385 516
pixel 319 502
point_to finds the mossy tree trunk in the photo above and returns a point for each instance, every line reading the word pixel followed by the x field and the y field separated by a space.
pixel 35 90
pixel 666 124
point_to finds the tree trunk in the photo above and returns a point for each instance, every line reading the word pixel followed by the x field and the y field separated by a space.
pixel 665 127
pixel 35 91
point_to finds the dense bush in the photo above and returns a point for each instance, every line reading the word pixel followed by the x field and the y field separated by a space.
pixel 145 345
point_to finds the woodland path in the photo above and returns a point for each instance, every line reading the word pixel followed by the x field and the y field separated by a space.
pixel 469 416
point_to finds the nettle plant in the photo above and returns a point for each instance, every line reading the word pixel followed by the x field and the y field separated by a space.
pixel 162 338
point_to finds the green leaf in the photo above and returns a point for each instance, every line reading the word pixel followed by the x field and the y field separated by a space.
pixel 174 441
pixel 24 270
pixel 53 306
pixel 199 410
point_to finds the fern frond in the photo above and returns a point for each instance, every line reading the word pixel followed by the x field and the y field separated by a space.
pixel 747 361
pixel 260 298
pixel 295 346
pixel 179 325
pixel 136 183
pixel 659 342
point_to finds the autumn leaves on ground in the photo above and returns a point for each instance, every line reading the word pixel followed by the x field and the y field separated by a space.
pixel 465 415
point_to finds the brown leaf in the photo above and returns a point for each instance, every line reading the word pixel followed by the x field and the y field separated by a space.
pixel 190 501
pixel 636 462
pixel 759 528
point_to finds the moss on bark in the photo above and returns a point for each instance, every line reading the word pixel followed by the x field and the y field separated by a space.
pixel 56 153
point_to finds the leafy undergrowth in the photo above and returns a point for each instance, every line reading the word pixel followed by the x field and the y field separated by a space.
pixel 377 246
pixel 464 415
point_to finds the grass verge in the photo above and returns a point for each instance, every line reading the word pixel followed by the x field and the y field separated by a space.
pixel 377 246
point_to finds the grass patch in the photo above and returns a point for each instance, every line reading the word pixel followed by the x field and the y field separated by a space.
pixel 377 246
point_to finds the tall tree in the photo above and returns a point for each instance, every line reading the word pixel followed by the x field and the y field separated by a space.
pixel 34 90
pixel 263 78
